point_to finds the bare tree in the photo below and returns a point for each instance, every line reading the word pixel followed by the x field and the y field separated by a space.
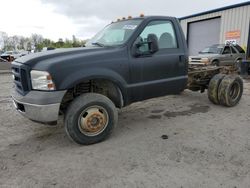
pixel 3 39
pixel 23 42
pixel 36 39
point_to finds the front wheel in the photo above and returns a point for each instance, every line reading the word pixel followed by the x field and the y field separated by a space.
pixel 90 118
pixel 216 63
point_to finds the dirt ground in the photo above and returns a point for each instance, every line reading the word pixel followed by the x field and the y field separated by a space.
pixel 180 141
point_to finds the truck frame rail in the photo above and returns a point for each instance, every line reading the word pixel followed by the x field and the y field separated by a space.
pixel 199 76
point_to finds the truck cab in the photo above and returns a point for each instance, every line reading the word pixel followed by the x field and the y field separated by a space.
pixel 130 60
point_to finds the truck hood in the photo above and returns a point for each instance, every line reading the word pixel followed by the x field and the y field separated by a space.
pixel 60 55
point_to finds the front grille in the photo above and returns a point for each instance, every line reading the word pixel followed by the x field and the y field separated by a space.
pixel 196 58
pixel 21 78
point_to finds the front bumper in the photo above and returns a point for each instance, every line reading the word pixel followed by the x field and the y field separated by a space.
pixel 196 63
pixel 38 106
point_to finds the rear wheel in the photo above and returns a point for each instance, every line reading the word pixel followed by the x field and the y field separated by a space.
pixel 90 118
pixel 213 88
pixel 230 90
pixel 237 65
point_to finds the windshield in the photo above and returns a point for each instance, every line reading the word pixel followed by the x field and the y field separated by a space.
pixel 115 34
pixel 212 50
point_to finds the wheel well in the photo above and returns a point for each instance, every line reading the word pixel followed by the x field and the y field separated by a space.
pixel 101 86
pixel 215 61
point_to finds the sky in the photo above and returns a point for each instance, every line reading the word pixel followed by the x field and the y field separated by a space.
pixel 56 19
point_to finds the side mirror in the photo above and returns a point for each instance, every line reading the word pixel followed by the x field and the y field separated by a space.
pixel 153 45
pixel 148 47
pixel 135 49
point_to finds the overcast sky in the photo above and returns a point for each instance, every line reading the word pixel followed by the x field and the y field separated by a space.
pixel 56 19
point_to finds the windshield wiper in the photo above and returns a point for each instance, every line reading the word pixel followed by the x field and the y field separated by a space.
pixel 98 44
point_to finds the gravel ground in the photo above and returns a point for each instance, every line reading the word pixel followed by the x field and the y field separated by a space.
pixel 179 141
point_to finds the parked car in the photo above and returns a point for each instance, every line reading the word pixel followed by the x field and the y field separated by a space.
pixel 10 55
pixel 48 48
pixel 23 53
pixel 219 55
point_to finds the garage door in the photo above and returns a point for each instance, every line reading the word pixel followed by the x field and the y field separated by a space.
pixel 202 34
pixel 248 43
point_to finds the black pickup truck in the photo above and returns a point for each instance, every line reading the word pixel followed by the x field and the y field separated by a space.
pixel 129 60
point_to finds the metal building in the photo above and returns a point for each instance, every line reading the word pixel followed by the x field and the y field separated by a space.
pixel 230 24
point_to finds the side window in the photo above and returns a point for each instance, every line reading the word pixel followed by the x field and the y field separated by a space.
pixel 227 50
pixel 164 31
pixel 233 50
pixel 240 50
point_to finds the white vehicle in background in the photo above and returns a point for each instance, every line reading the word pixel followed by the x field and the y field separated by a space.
pixel 47 48
pixel 23 53
pixel 12 55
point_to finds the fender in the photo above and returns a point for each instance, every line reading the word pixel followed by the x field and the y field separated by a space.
pixel 238 59
pixel 94 73
pixel 214 59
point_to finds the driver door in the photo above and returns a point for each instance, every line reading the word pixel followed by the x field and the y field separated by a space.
pixel 163 72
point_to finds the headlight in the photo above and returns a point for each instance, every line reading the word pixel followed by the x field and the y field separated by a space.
pixel 205 60
pixel 41 80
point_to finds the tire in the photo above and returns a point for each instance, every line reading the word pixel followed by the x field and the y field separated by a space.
pixel 216 63
pixel 90 118
pixel 230 90
pixel 213 88
pixel 237 65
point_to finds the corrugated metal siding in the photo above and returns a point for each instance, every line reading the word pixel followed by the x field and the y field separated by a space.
pixel 231 19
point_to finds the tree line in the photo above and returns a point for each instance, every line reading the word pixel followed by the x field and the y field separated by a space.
pixel 35 42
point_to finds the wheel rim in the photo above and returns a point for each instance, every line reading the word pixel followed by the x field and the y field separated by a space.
pixel 215 63
pixel 234 91
pixel 93 120
pixel 237 65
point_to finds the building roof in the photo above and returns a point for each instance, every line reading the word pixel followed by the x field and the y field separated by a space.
pixel 216 10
